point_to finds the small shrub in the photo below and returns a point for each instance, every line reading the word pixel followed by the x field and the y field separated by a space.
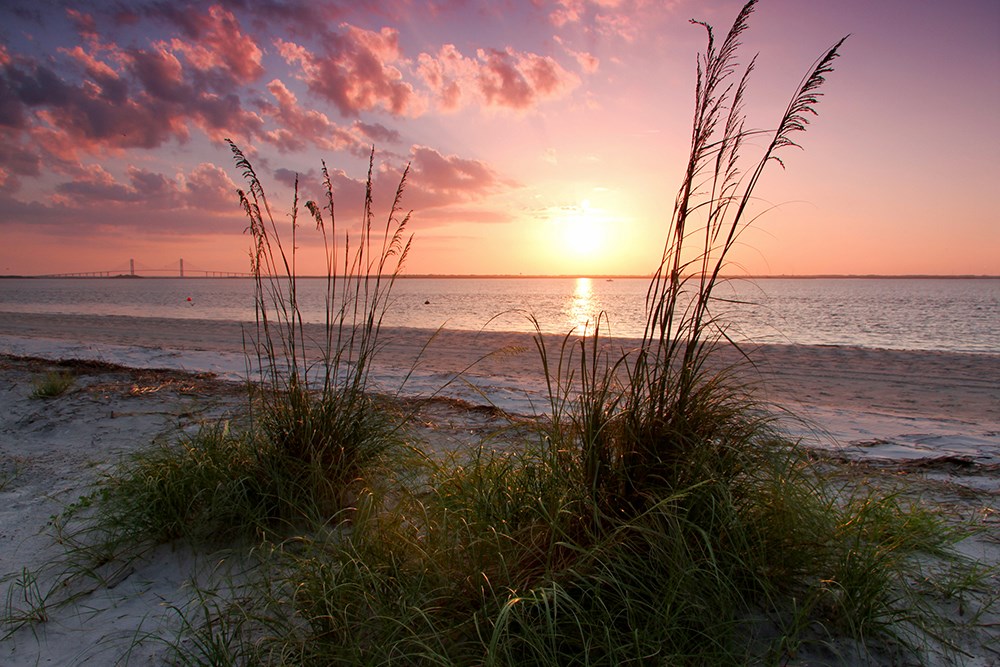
pixel 53 384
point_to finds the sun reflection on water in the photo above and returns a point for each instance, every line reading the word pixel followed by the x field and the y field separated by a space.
pixel 581 307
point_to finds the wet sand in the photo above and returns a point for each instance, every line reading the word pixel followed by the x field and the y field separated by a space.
pixel 888 402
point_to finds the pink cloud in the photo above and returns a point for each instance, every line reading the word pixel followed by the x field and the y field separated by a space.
pixel 622 26
pixel 222 46
pixel 84 23
pixel 94 184
pixel 606 17
pixel 102 99
pixel 440 188
pixel 206 188
pixel 357 72
pixel 200 201
pixel 589 63
pixel 159 71
pixel 377 132
pixel 17 159
pixel 145 103
pixel 450 173
pixel 438 180
pixel 450 75
pixel 299 126
pixel 567 11
pixel 91 119
pixel 506 79
pixel 95 68
pixel 517 79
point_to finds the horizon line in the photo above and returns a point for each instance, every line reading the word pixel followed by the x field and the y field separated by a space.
pixel 607 276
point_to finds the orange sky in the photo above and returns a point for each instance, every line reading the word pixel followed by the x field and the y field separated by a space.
pixel 543 137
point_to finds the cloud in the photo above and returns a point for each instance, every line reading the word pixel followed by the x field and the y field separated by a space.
pixel 287 177
pixel 297 17
pixel 377 132
pixel 519 79
pixel 94 185
pixel 439 187
pixel 297 126
pixel 588 62
pixel 206 188
pixel 84 23
pixel 610 18
pixel 160 73
pixel 438 180
pixel 567 11
pixel 622 26
pixel 450 174
pixel 103 99
pixel 220 45
pixel 135 99
pixel 16 159
pixel 92 113
pixel 357 72
pixel 100 72
pixel 178 99
pixel 201 69
pixel 495 78
pixel 201 201
pixel 13 112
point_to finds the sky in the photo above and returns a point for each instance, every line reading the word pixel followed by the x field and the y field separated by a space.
pixel 543 137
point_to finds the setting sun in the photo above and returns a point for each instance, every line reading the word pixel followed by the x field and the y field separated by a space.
pixel 584 229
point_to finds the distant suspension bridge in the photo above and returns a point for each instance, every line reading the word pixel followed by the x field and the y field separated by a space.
pixel 177 270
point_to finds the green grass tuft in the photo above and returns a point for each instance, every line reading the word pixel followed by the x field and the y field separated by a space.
pixel 53 384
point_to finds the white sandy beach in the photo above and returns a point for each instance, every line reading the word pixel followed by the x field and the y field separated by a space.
pixel 933 418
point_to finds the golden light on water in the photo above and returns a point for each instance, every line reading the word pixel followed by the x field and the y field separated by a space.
pixel 581 306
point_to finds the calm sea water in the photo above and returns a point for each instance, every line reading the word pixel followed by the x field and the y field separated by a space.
pixel 960 315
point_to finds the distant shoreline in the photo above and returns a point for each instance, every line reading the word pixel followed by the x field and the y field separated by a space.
pixel 573 276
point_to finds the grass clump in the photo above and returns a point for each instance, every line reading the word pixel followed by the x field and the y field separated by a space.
pixel 52 384
pixel 312 428
pixel 311 401
pixel 494 561
pixel 211 486
pixel 312 437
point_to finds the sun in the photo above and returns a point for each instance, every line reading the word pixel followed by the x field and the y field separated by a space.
pixel 584 231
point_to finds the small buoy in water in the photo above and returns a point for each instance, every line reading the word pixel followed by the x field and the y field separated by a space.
pixel 190 301
pixel 426 302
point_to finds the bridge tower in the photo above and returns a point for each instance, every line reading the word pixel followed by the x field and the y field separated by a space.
pixel 182 267
pixel 131 267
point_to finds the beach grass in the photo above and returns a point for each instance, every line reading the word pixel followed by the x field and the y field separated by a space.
pixel 655 516
pixel 53 384
pixel 311 401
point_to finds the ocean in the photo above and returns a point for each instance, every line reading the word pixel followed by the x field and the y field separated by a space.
pixel 954 315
